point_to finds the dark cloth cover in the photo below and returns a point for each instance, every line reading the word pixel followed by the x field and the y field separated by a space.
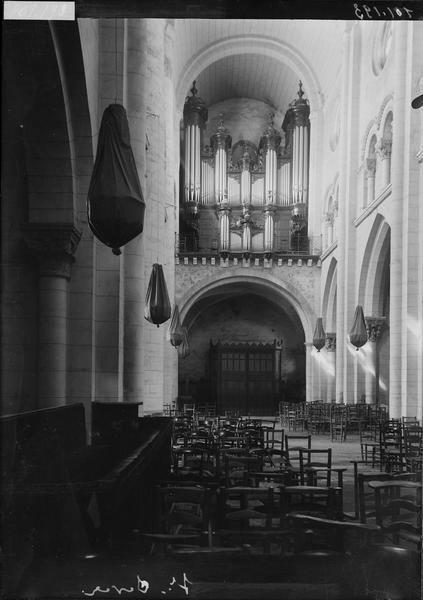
pixel 358 333
pixel 115 202
pixel 319 337
pixel 157 304
pixel 175 328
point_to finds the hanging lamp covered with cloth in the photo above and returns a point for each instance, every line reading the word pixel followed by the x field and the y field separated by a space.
pixel 157 305
pixel 319 336
pixel 358 333
pixel 175 328
pixel 115 204
pixel 184 348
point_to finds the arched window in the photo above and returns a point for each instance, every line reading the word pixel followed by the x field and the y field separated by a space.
pixel 384 149
pixel 370 173
pixel 382 46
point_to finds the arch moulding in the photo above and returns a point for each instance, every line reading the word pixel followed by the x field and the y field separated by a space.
pixel 284 290
pixel 250 44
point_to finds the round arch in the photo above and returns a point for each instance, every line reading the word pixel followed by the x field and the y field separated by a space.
pixel 249 44
pixel 373 269
pixel 282 294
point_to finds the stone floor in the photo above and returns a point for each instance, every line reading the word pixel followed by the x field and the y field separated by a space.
pixel 127 573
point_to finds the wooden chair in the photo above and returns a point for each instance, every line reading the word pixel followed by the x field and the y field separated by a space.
pixel 413 447
pixel 182 518
pixel 246 517
pixel 313 463
pixel 394 562
pixel 398 506
pixel 237 468
pixel 325 502
pixel 331 551
pixel 391 446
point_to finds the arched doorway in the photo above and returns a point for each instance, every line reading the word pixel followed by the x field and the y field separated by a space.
pixel 247 349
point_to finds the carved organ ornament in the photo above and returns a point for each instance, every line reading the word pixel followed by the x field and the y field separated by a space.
pixel 236 180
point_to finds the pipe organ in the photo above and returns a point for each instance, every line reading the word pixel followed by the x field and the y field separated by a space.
pixel 244 197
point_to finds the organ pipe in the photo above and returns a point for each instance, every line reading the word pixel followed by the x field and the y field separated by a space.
pixel 270 142
pixel 195 117
pixel 221 142
pixel 301 112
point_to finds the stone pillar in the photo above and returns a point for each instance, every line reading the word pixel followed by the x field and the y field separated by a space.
pixel 133 288
pixel 399 201
pixel 220 142
pixel 330 373
pixel 53 246
pixel 374 326
pixel 383 150
pixel 310 374
pixel 195 117
pixel 346 281
pixel 370 175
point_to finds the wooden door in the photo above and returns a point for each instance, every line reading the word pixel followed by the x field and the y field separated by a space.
pixel 244 377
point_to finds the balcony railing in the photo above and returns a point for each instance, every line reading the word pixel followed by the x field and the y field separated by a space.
pixel 191 245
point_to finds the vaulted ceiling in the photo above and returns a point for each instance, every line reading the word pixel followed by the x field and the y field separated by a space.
pixel 256 59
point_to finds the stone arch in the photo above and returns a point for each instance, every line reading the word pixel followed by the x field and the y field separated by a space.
pixel 278 291
pixel 374 268
pixel 249 44
pixel 329 296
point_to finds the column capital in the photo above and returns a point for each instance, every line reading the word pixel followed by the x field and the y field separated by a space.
pixel 330 344
pixel 53 245
pixel 384 148
pixel 374 326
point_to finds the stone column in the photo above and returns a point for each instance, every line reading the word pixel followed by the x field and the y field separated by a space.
pixel 133 288
pixel 311 384
pixel 330 373
pixel 399 201
pixel 384 149
pixel 374 326
pixel 370 175
pixel 53 246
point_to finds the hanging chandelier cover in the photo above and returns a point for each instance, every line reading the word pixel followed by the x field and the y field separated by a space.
pixel 358 333
pixel 115 203
pixel 157 304
pixel 184 349
pixel 319 336
pixel 176 334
